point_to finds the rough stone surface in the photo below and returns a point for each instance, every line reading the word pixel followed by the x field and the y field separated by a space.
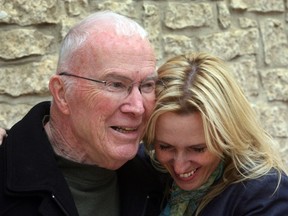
pixel 10 113
pixel 29 12
pixel 224 15
pixel 275 84
pixel 18 43
pixel 246 74
pixel 230 44
pixel 182 15
pixel 259 5
pixel 30 78
pixel 275 42
pixel 251 35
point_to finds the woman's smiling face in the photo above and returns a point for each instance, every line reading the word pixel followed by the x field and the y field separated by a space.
pixel 180 147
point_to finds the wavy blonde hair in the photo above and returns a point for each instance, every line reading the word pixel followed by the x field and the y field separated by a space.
pixel 199 82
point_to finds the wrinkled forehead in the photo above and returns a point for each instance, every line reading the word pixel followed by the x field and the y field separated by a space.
pixel 112 42
pixel 106 51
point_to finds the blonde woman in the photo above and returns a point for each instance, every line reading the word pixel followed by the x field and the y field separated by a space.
pixel 205 134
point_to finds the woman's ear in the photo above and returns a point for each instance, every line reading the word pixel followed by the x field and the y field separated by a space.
pixel 58 91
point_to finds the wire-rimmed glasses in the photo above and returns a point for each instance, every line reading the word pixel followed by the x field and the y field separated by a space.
pixel 122 85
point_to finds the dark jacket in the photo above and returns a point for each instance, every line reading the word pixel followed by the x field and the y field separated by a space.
pixel 32 184
pixel 253 197
pixel 142 187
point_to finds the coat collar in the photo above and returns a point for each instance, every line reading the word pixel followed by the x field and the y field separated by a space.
pixel 31 164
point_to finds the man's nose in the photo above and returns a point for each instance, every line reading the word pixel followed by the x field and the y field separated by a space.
pixel 134 103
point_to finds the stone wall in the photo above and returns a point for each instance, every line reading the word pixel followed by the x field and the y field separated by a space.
pixel 250 34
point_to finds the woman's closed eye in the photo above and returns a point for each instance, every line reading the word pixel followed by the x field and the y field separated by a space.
pixel 165 147
pixel 194 148
pixel 198 149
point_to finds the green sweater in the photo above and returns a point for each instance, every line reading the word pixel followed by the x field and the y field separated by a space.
pixel 94 189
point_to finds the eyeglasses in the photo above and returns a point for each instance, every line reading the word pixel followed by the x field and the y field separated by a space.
pixel 121 85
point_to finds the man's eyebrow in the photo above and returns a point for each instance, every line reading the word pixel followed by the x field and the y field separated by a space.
pixel 117 76
pixel 153 76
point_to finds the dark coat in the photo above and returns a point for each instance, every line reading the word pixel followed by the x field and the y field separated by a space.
pixel 253 197
pixel 143 188
pixel 32 184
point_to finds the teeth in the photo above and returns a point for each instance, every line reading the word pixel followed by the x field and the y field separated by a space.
pixel 129 129
pixel 121 129
pixel 186 175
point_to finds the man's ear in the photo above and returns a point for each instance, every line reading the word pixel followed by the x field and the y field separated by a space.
pixel 58 91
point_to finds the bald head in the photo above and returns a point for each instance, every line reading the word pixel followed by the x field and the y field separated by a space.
pixel 97 25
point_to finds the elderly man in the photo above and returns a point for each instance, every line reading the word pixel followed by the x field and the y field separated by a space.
pixel 60 159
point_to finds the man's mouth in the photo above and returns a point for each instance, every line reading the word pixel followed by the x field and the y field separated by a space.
pixel 124 129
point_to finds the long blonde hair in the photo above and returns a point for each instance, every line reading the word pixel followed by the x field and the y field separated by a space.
pixel 199 82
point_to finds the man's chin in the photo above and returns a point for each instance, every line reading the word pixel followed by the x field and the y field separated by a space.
pixel 123 157
pixel 116 164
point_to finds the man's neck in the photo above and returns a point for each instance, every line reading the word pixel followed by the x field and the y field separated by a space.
pixel 60 148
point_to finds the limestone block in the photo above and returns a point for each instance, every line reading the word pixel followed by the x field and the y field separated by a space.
pixel 66 25
pixel 12 113
pixel 182 15
pixel 126 7
pixel 177 44
pixel 246 74
pixel 274 119
pixel 30 78
pixel 275 42
pixel 239 4
pixel 27 12
pixel 230 44
pixel 259 5
pixel 275 83
pixel 152 24
pixel 224 15
pixel 152 20
pixel 247 23
pixel 283 147
pixel 18 43
pixel 3 15
pixel 76 7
